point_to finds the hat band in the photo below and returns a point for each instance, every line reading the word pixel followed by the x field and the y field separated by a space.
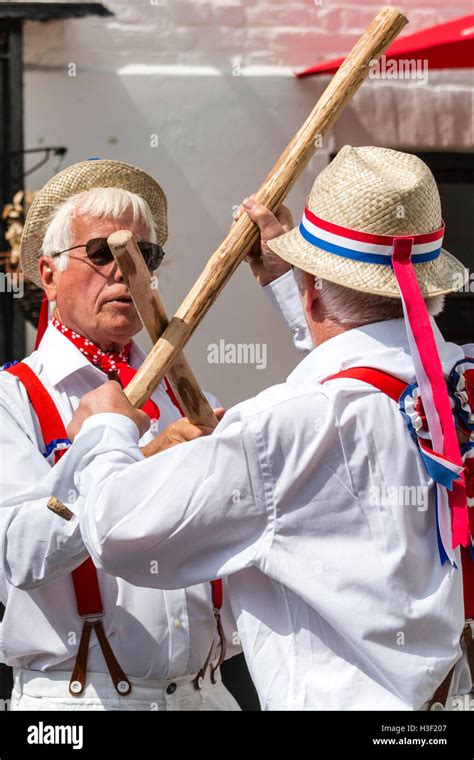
pixel 364 246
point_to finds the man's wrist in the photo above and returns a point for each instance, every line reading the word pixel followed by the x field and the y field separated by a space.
pixel 283 281
pixel 268 277
pixel 120 422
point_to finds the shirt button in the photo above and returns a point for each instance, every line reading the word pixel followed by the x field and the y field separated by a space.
pixel 171 688
pixel 177 623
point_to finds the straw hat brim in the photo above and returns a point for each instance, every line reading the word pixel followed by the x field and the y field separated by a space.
pixel 438 277
pixel 76 179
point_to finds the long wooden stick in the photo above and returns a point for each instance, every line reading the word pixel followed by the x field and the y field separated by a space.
pixel 153 315
pixel 381 32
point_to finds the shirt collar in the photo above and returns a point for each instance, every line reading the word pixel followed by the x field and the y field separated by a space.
pixel 381 345
pixel 60 357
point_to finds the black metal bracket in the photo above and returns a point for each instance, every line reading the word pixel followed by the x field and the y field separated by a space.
pixel 51 11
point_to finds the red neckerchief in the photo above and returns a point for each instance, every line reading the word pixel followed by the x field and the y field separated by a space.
pixel 111 363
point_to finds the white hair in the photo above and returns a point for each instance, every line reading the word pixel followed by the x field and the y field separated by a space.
pixel 98 203
pixel 347 306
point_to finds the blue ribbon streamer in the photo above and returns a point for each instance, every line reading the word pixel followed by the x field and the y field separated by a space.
pixel 438 472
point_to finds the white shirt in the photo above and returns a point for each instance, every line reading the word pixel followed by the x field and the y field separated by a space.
pixel 340 600
pixel 154 634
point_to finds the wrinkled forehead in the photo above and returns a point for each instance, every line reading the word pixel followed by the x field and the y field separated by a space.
pixel 86 225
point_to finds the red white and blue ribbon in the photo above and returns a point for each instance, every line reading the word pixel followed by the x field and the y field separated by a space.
pixel 362 246
pixel 444 473
pixel 453 523
pixel 443 461
pixel 440 469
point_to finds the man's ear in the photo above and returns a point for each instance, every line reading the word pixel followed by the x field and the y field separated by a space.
pixel 46 272
pixel 309 292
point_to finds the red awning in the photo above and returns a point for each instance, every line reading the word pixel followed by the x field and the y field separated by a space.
pixel 445 46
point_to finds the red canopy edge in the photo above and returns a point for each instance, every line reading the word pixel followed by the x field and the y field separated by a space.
pixel 445 46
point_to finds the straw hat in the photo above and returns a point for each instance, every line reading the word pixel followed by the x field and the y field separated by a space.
pixel 382 192
pixel 76 179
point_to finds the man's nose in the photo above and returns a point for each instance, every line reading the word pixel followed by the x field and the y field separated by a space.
pixel 116 273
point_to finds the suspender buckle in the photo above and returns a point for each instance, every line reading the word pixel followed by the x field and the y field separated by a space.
pixel 92 617
pixel 78 678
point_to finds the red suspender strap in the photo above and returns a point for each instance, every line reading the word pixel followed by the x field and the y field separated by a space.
pixel 384 382
pixel 86 588
pixel 217 593
pixel 51 424
pixel 86 584
pixel 468 581
pixel 394 388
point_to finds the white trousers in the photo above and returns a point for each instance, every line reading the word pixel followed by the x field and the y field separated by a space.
pixel 49 690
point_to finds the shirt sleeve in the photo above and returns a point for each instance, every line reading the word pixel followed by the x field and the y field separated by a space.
pixel 36 546
pixel 195 512
pixel 229 624
pixel 284 296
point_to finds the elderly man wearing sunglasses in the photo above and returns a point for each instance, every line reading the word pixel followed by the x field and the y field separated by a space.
pixel 76 637
pixel 99 253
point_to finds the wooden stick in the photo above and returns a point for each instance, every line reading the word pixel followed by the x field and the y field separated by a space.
pixel 152 313
pixel 381 32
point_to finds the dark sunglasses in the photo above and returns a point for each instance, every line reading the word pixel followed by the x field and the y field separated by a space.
pixel 99 253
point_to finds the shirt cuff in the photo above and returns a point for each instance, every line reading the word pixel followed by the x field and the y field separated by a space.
pixel 106 440
pixel 113 421
pixel 284 296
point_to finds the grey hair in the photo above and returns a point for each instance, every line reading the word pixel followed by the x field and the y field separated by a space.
pixel 98 202
pixel 347 306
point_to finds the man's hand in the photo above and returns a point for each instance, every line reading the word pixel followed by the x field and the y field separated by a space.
pixel 178 432
pixel 109 397
pixel 266 265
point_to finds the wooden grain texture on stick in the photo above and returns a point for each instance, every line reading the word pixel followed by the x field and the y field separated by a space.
pixel 381 32
pixel 153 315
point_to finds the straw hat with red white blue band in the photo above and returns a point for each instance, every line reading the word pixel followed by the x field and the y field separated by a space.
pixel 373 223
pixel 379 192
